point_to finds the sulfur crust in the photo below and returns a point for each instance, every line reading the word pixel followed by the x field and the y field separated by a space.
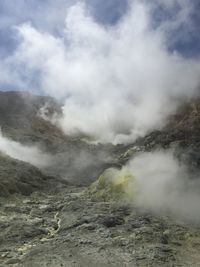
pixel 113 184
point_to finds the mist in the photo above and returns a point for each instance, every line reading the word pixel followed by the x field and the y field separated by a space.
pixel 118 81
pixel 163 185
pixel 30 154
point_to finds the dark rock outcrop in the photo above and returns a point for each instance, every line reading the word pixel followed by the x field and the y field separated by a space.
pixel 17 177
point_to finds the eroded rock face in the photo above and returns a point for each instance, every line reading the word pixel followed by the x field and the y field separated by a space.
pixel 17 177
pixel 45 221
pixel 180 134
pixel 71 158
pixel 19 115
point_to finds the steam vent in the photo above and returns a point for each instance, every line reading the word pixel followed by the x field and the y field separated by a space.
pixel 99 133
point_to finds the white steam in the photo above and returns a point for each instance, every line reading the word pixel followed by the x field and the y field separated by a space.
pixel 30 154
pixel 119 81
pixel 163 185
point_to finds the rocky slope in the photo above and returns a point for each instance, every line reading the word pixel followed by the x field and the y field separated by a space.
pixel 18 177
pixel 73 159
pixel 46 221
pixel 68 229
pixel 181 134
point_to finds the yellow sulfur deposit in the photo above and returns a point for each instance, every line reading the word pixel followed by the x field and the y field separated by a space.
pixel 113 184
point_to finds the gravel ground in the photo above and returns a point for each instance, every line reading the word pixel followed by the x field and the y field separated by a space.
pixel 69 229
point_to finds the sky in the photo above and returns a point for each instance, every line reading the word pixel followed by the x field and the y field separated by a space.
pixel 49 16
pixel 121 67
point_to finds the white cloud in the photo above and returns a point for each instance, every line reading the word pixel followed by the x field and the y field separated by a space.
pixel 163 185
pixel 30 154
pixel 119 81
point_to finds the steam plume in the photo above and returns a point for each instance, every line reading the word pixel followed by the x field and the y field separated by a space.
pixel 30 154
pixel 163 185
pixel 119 81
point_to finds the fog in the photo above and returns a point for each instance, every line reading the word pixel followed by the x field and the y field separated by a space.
pixel 164 185
pixel 118 82
pixel 30 154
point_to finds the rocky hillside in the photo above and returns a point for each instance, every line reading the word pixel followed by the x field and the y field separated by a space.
pixel 20 118
pixel 57 215
pixel 183 128
pixel 72 159
pixel 181 134
pixel 17 177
